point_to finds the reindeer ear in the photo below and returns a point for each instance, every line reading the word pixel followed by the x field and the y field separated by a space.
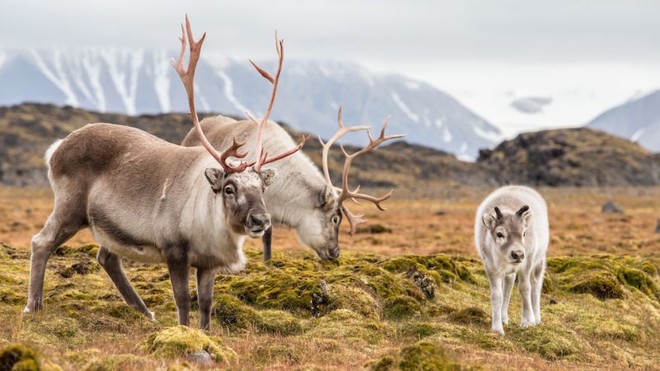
pixel 215 177
pixel 324 196
pixel 525 214
pixel 489 220
pixel 267 176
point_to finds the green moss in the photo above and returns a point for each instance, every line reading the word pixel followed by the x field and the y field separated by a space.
pixel 343 296
pixel 400 307
pixel 418 330
pixel 344 324
pixel 605 276
pixel 233 313
pixel 448 269
pixel 285 289
pixel 426 356
pixel 278 322
pixel 21 357
pixel 549 341
pixel 181 341
pixel 471 315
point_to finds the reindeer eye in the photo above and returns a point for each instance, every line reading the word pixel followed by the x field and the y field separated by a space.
pixel 500 235
pixel 336 220
pixel 229 190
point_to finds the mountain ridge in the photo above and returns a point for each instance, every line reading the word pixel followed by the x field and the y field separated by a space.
pixel 141 81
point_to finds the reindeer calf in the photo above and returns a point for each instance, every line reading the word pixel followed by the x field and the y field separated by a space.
pixel 511 235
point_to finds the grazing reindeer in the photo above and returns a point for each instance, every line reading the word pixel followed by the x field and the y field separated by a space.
pixel 300 197
pixel 512 235
pixel 154 202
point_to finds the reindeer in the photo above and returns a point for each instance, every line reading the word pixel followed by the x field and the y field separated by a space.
pixel 155 202
pixel 300 197
pixel 512 236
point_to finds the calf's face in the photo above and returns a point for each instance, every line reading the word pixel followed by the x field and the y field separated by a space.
pixel 243 198
pixel 509 231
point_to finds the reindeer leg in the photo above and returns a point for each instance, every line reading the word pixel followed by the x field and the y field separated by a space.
pixel 58 229
pixel 205 281
pixel 268 243
pixel 112 264
pixel 508 287
pixel 177 265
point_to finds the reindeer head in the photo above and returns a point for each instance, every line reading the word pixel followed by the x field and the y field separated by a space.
pixel 322 233
pixel 242 198
pixel 509 230
pixel 241 185
pixel 320 230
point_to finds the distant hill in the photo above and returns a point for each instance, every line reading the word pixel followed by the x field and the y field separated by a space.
pixel 572 157
pixel 569 157
pixel 137 81
pixel 637 120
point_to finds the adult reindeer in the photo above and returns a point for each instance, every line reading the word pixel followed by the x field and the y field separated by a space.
pixel 301 197
pixel 154 202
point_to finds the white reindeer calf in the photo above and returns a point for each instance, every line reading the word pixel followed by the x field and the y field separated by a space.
pixel 511 234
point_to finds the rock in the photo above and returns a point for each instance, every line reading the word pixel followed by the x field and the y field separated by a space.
pixel 611 208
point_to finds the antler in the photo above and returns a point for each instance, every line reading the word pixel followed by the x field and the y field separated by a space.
pixel 263 159
pixel 346 193
pixel 188 77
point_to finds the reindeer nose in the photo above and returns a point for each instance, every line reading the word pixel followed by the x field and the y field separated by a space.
pixel 333 253
pixel 518 255
pixel 259 220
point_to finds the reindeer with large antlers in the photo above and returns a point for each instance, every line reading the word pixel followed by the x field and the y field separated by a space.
pixel 152 201
pixel 301 197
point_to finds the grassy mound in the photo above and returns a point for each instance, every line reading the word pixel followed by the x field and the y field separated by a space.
pixel 181 341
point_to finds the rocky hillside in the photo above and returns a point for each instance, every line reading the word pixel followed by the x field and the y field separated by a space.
pixel 572 157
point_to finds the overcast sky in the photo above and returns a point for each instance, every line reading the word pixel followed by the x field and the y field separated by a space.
pixel 584 55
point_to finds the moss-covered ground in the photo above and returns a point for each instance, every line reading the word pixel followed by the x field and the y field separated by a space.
pixel 382 311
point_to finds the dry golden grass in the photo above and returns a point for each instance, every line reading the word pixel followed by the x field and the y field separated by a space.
pixel 86 325
pixel 427 226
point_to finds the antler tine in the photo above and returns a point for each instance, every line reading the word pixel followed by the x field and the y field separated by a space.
pixel 262 158
pixel 341 131
pixel 266 160
pixel 353 219
pixel 355 195
pixel 188 78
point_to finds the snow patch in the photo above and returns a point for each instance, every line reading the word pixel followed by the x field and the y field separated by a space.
pixel 440 121
pixel 637 134
pixel 413 85
pixel 404 108
pixel 3 58
pixel 161 67
pixel 490 136
pixel 92 68
pixel 446 135
pixel 118 62
pixel 229 93
pixel 57 75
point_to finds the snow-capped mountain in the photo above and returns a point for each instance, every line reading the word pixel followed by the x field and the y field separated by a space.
pixel 143 81
pixel 637 120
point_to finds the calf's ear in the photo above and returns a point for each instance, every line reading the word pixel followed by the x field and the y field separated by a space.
pixel 489 220
pixel 525 214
